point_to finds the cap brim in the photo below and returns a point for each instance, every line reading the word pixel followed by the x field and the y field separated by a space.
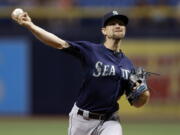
pixel 123 18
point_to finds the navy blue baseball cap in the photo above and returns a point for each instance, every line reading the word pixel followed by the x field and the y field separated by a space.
pixel 114 14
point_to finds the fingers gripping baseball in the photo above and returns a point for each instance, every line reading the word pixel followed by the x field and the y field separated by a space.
pixel 21 17
pixel 24 19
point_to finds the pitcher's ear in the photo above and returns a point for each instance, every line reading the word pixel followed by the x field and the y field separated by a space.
pixel 103 31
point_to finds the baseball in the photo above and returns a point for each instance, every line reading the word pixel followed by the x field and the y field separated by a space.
pixel 16 12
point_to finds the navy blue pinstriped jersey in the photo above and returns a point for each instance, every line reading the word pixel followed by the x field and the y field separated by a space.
pixel 105 76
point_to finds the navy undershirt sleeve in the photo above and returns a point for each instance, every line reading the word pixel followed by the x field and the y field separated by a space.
pixel 126 83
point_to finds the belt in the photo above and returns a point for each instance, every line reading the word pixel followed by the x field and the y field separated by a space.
pixel 92 115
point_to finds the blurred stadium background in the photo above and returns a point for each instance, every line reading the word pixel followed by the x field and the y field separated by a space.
pixel 38 84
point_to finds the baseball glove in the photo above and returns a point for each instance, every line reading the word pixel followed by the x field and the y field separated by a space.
pixel 137 84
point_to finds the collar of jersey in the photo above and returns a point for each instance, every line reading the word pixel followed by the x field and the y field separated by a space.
pixel 112 51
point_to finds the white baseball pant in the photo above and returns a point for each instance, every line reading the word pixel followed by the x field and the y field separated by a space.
pixel 81 125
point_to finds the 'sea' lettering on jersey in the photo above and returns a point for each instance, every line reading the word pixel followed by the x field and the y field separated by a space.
pixel 103 70
pixel 125 73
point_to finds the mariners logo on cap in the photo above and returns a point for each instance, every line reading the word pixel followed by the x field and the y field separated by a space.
pixel 115 12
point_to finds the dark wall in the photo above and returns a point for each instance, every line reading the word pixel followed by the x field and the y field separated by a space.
pixel 56 80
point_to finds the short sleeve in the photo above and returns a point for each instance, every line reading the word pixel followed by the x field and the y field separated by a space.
pixel 79 49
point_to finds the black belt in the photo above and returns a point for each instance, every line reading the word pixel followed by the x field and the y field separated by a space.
pixel 93 115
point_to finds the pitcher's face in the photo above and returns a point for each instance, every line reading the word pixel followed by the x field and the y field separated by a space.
pixel 115 29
